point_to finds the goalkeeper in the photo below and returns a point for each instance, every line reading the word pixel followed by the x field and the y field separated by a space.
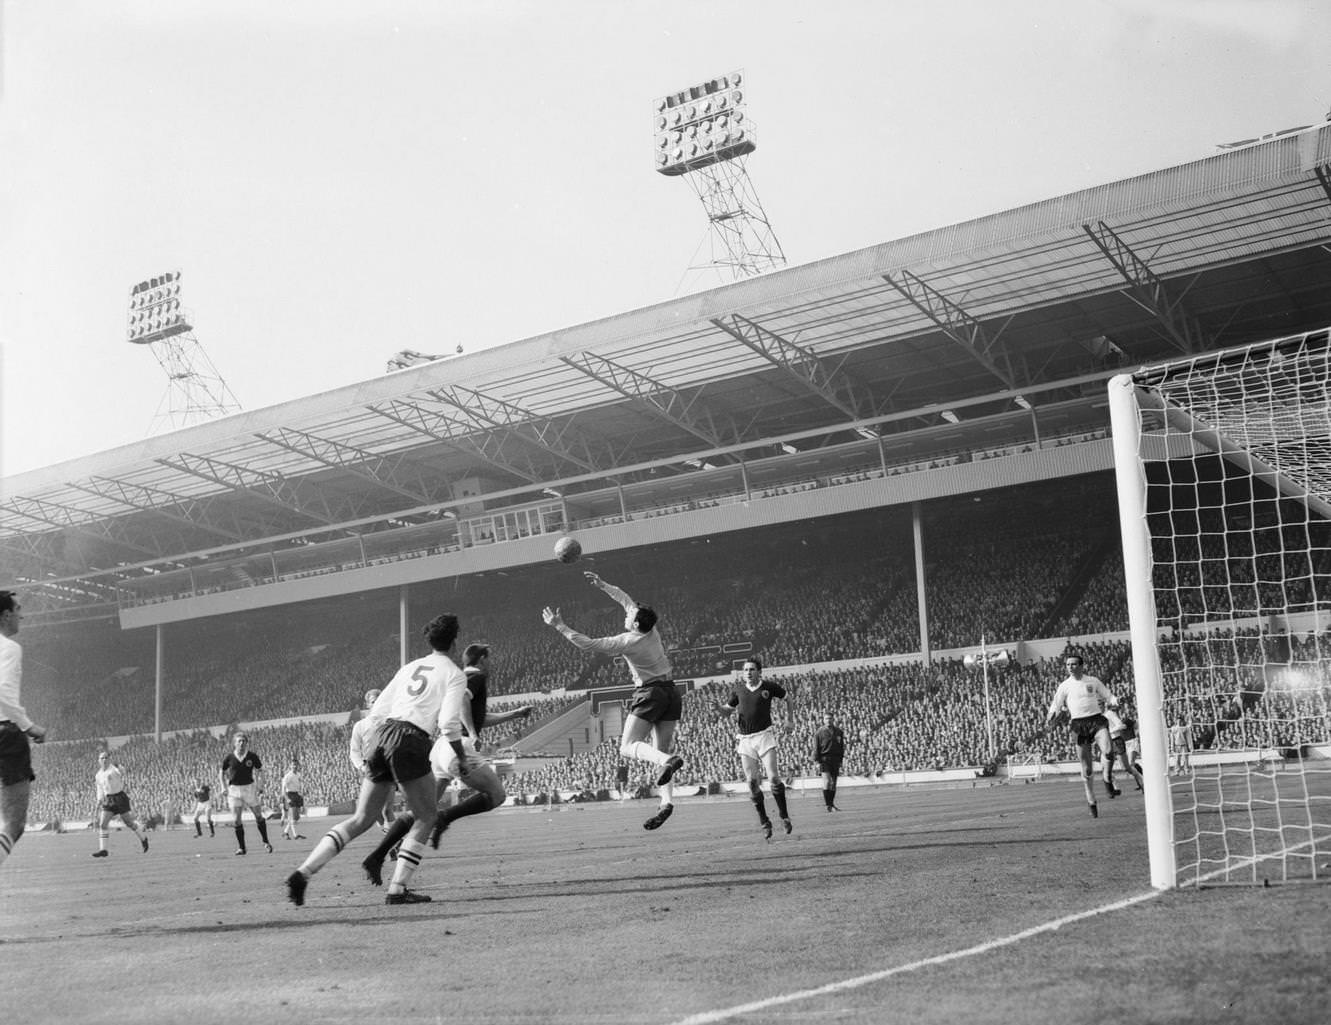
pixel 1082 695
pixel 656 706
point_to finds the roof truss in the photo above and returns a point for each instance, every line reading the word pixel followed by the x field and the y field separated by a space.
pixel 801 364
pixel 669 403
pixel 1147 290
pixel 956 323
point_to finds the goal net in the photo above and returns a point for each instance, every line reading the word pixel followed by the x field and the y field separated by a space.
pixel 1223 464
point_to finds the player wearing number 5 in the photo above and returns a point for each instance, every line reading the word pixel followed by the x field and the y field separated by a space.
pixel 424 696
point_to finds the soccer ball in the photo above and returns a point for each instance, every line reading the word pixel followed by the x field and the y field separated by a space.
pixel 567 549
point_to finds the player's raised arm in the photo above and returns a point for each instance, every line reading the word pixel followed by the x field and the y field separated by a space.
pixel 618 594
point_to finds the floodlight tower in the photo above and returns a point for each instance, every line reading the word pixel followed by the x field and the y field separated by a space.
pixel 984 658
pixel 703 133
pixel 195 392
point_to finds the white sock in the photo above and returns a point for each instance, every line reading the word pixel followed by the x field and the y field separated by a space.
pixel 644 752
pixel 328 847
pixel 409 856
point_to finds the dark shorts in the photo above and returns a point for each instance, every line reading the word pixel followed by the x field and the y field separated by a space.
pixel 1085 729
pixel 15 756
pixel 830 768
pixel 294 800
pixel 116 804
pixel 657 702
pixel 401 753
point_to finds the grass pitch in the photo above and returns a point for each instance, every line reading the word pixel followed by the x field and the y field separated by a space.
pixel 986 904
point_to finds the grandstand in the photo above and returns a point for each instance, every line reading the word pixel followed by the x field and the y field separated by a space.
pixel 854 467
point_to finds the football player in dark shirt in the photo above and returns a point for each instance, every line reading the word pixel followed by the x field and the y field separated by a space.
pixel 757 742
pixel 242 779
pixel 829 749
pixel 203 805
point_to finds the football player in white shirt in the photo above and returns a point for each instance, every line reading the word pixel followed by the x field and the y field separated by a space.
pixel 1120 732
pixel 112 802
pixel 656 705
pixel 486 788
pixel 1180 747
pixel 425 695
pixel 1084 696
pixel 16 730
pixel 293 801
pixel 363 728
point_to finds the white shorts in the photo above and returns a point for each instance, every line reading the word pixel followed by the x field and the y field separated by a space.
pixel 755 745
pixel 243 797
pixel 444 763
pixel 203 808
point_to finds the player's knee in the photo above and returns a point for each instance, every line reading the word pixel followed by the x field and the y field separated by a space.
pixel 755 788
pixel 778 787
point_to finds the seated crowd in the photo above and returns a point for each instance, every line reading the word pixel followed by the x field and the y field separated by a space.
pixel 844 595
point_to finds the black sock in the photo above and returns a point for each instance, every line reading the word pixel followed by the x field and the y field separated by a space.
pixel 472 804
pixel 400 828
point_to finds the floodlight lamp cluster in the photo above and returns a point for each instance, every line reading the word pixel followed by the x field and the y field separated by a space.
pixel 702 125
pixel 154 310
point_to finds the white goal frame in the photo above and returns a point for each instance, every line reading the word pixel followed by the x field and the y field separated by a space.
pixel 1199 405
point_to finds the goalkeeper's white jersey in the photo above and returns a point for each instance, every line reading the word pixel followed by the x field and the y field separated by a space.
pixel 1083 697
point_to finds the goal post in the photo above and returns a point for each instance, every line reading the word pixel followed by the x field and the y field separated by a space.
pixel 1223 472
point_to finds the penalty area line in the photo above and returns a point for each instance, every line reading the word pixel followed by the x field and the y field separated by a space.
pixel 724 1013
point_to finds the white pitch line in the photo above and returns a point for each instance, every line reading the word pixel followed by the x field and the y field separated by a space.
pixel 722 1014
pixel 725 1013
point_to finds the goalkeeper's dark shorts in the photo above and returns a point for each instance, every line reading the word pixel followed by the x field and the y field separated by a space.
pixel 656 702
pixel 1086 728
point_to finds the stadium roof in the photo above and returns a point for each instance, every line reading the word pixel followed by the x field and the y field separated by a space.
pixel 980 327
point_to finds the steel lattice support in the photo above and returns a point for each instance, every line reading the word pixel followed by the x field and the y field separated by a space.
pixel 468 435
pixel 800 363
pixel 271 487
pixel 741 238
pixel 190 513
pixel 1147 290
pixel 666 402
pixel 956 323
pixel 382 471
pixel 552 436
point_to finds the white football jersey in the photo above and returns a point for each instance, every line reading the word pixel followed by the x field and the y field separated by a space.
pixel 428 692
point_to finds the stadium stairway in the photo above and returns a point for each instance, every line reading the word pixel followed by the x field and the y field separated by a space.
pixel 572 731
pixel 1076 588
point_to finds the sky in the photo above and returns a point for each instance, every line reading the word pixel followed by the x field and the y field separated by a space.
pixel 338 181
